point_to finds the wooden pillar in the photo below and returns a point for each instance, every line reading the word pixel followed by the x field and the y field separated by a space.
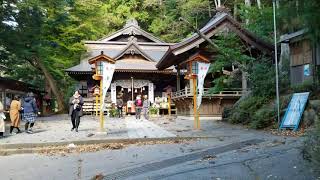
pixel 178 78
pixel 195 111
pixel 101 108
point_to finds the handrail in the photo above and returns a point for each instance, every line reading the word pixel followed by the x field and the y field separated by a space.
pixel 235 92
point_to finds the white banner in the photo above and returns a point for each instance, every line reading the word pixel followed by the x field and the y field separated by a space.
pixel 151 93
pixel 107 74
pixel 113 93
pixel 202 72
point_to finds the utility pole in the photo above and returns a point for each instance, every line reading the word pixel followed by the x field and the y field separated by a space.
pixel 276 60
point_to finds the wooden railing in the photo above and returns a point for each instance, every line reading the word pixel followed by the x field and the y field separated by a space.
pixel 90 106
pixel 225 93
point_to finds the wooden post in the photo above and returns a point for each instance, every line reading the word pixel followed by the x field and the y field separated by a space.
pixel 101 108
pixel 195 102
pixel 178 78
pixel 97 100
pixel 169 104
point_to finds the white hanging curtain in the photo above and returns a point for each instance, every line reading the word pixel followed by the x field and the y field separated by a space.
pixel 127 83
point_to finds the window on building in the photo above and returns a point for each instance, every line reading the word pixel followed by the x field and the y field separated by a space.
pixel 195 67
pixel 83 88
pixel 99 68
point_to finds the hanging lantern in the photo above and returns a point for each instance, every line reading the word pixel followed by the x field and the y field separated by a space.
pixel 129 90
pixel 143 88
pixel 135 90
pixel 122 89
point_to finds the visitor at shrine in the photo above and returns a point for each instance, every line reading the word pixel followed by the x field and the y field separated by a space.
pixel 15 108
pixel 119 105
pixel 2 118
pixel 75 109
pixel 146 105
pixel 138 104
pixel 30 112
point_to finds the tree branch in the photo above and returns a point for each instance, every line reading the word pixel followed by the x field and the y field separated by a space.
pixel 199 33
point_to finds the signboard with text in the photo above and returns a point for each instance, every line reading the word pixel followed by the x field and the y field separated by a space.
pixel 295 110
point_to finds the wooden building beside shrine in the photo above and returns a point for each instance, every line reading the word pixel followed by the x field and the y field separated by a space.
pixel 303 55
pixel 185 55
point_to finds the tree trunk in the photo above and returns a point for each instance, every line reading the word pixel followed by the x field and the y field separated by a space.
pixel 52 84
pixel 259 4
pixel 235 11
pixel 248 4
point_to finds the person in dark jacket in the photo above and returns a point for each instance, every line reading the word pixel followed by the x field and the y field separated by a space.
pixel 30 111
pixel 75 109
pixel 119 105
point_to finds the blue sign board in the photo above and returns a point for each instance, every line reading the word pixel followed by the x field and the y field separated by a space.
pixel 295 110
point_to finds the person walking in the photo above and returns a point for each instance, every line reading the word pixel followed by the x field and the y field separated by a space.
pixel 146 105
pixel 2 118
pixel 75 109
pixel 15 108
pixel 138 104
pixel 30 111
pixel 119 105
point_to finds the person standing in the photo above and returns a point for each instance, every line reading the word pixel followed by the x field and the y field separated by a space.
pixel 138 104
pixel 146 105
pixel 119 105
pixel 2 123
pixel 30 111
pixel 75 109
pixel 15 108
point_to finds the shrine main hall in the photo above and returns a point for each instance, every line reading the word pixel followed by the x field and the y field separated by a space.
pixel 146 65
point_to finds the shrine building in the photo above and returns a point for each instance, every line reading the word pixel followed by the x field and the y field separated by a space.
pixel 145 65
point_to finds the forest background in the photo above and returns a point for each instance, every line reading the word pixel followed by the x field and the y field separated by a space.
pixel 39 39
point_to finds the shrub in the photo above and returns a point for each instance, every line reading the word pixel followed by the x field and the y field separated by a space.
pixel 113 112
pixel 263 117
pixel 311 147
pixel 242 112
pixel 153 110
pixel 306 86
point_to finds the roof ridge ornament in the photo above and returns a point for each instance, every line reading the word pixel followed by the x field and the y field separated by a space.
pixel 131 22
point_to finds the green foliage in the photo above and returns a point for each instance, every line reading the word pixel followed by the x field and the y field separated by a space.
pixel 113 112
pixel 245 109
pixel 260 21
pixel 299 14
pixel 306 86
pixel 263 117
pixel 311 148
pixel 153 110
pixel 261 77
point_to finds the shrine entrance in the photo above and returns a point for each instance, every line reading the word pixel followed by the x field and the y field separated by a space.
pixel 129 89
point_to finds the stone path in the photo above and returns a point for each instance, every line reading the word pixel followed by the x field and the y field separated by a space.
pixel 145 129
pixel 57 129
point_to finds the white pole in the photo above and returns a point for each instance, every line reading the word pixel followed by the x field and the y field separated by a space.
pixel 276 60
pixel 132 88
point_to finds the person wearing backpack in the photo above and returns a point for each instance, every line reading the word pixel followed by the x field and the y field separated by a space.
pixel 138 104
pixel 30 111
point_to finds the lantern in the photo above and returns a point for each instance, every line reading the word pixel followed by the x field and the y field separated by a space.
pixel 96 91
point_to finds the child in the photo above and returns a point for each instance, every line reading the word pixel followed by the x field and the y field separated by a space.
pixel 138 104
